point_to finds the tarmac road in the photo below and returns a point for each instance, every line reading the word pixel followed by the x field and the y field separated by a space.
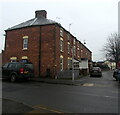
pixel 90 95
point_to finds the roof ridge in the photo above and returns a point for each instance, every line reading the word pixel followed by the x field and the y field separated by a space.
pixel 33 21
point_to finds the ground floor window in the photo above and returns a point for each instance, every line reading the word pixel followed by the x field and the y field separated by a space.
pixel 24 59
pixel 76 65
pixel 69 63
pixel 61 63
pixel 13 59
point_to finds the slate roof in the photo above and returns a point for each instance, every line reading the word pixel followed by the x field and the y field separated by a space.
pixel 35 21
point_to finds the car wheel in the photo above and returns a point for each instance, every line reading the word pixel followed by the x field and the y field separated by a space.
pixel 13 78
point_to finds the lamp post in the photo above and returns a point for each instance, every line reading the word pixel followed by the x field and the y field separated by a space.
pixel 72 47
pixel 73 63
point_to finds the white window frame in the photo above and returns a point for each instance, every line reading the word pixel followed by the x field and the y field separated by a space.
pixel 61 32
pixel 61 63
pixel 69 63
pixel 68 47
pixel 61 44
pixel 74 41
pixel 74 50
pixel 25 42
pixel 68 37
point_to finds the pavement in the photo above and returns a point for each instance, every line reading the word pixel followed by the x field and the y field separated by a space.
pixel 10 106
pixel 61 81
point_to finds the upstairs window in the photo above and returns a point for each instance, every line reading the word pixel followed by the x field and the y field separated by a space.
pixel 68 37
pixel 78 51
pixel 74 50
pixel 68 47
pixel 61 44
pixel 61 32
pixel 74 41
pixel 25 42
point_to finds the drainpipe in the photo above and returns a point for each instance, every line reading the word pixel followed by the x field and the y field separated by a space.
pixel 73 63
pixel 39 57
pixel 55 37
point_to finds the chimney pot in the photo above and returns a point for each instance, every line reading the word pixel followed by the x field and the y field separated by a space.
pixel 40 13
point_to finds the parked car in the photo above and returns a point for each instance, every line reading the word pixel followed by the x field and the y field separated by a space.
pixel 17 70
pixel 96 71
pixel 116 74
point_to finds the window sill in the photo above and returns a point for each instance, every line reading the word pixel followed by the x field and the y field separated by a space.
pixel 24 49
pixel 61 36
pixel 61 51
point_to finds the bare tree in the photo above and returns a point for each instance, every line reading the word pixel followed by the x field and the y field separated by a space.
pixel 112 48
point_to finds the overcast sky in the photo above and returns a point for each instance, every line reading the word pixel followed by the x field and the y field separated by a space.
pixel 92 20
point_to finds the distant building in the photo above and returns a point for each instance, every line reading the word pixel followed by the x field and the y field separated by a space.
pixel 111 64
pixel 46 44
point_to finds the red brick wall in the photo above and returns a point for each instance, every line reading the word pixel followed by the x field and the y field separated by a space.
pixel 49 36
pixel 85 51
pixel 14 45
pixel 57 51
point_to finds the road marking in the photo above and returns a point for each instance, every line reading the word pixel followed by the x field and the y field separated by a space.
pixel 34 111
pixel 47 109
pixel 95 95
pixel 88 84
pixel 103 85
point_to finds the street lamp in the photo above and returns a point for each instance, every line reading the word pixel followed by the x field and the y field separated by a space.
pixel 58 19
pixel 84 41
pixel 70 26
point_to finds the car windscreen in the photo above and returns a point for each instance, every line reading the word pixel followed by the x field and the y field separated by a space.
pixel 6 65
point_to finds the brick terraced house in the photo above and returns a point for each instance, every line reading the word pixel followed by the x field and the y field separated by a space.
pixel 46 44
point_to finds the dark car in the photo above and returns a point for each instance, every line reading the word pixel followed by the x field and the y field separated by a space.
pixel 116 74
pixel 96 71
pixel 17 70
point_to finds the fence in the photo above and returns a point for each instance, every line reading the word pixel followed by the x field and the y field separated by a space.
pixel 68 74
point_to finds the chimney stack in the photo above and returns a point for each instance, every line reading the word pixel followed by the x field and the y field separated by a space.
pixel 40 13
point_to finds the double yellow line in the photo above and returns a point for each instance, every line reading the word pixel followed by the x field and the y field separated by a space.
pixel 40 108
